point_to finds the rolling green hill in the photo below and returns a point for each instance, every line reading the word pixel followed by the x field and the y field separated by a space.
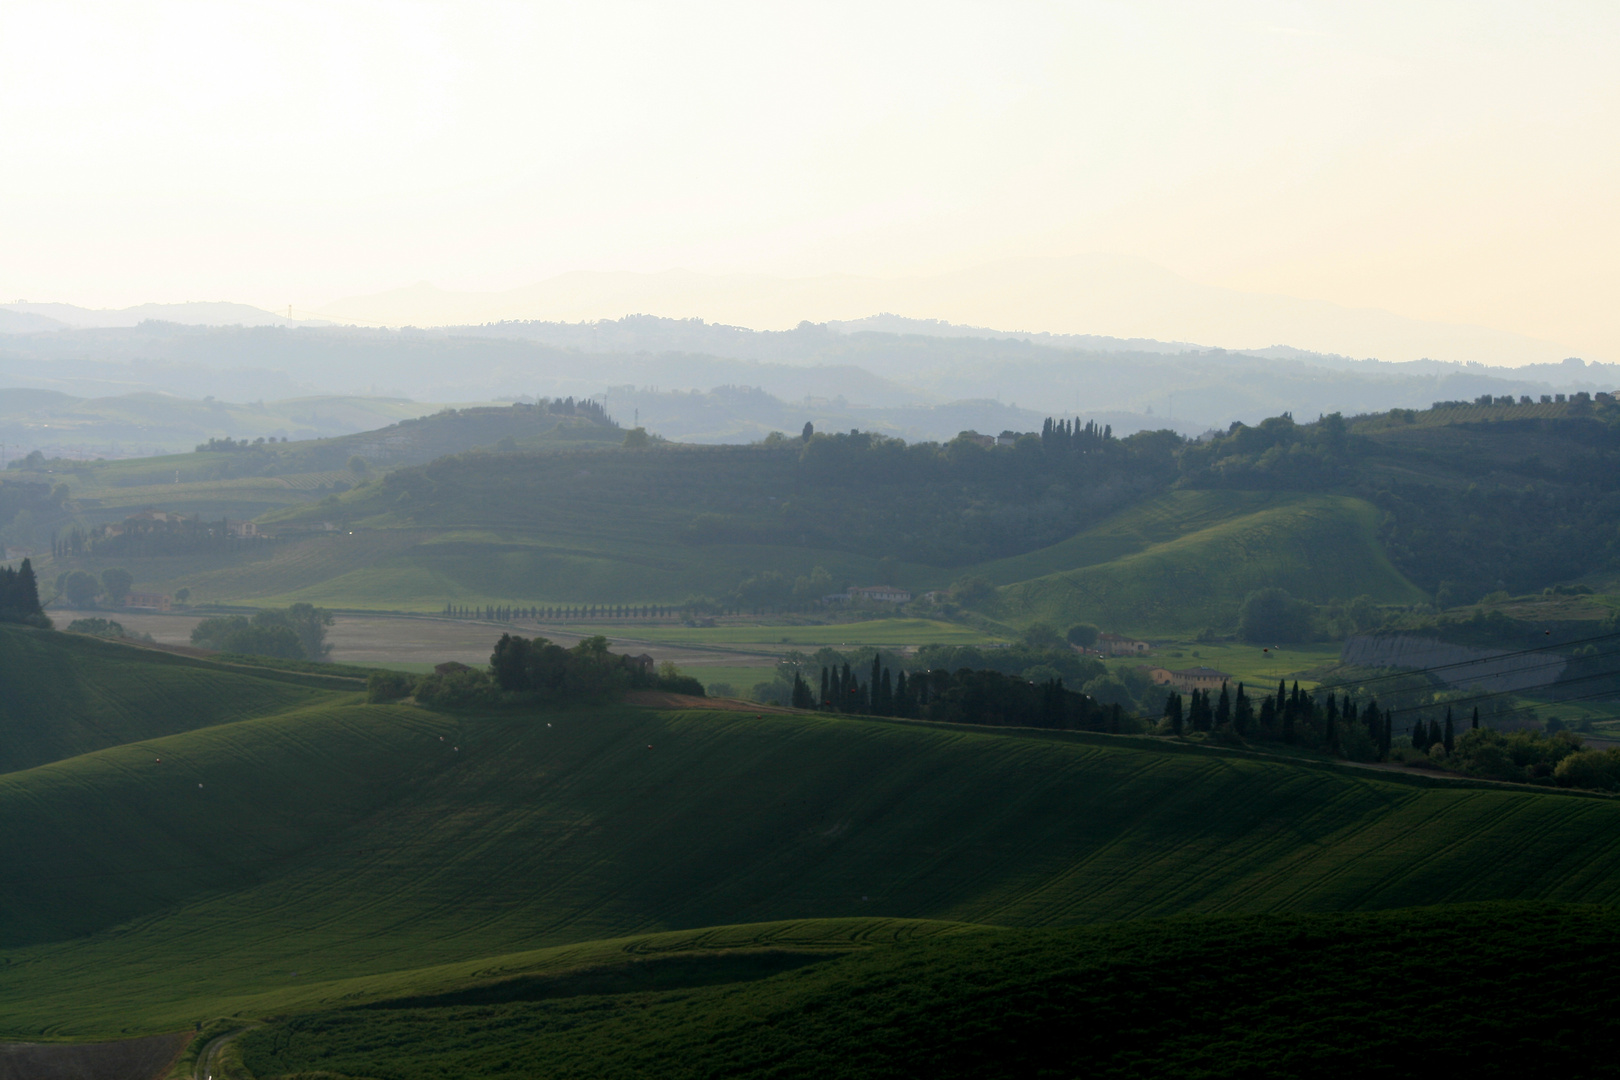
pixel 1147 534
pixel 243 480
pixel 1463 989
pixel 323 851
pixel 65 695
pixel 1316 547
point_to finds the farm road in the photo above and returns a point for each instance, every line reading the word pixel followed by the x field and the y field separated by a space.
pixel 382 639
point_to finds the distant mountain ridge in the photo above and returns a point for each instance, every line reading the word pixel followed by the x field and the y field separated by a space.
pixel 24 317
pixel 1089 294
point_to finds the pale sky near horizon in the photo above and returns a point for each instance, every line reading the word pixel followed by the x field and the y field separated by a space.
pixel 1445 161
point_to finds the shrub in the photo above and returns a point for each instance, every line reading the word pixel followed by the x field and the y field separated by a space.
pixel 1083 635
pixel 384 686
pixel 458 688
pixel 1599 769
pixel 1521 756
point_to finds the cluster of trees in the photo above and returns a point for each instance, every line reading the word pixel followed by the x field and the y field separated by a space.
pixel 1426 736
pixel 19 596
pixel 588 408
pixel 228 444
pixel 24 507
pixel 1062 436
pixel 963 696
pixel 535 670
pixel 1531 757
pixel 145 537
pixel 293 633
pixel 106 628
pixel 1320 722
pixel 511 613
pixel 82 589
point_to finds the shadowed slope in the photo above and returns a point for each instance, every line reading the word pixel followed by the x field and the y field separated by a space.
pixel 63 694
pixel 333 843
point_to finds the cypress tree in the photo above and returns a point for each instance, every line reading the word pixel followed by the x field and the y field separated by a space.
pixel 1420 736
pixel 1476 718
pixel 1223 708
pixel 1450 737
pixel 884 706
pixel 1268 714
pixel 1384 730
pixel 824 701
pixel 876 682
pixel 1242 712
pixel 902 695
pixel 1282 696
pixel 1172 712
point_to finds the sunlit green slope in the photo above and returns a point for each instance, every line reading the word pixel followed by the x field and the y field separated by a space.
pixel 1187 560
pixel 63 695
pixel 263 858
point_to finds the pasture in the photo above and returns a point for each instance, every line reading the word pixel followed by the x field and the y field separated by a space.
pixel 289 859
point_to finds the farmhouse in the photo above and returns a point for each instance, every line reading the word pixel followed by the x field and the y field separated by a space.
pixel 1119 645
pixel 885 594
pixel 1189 679
pixel 148 600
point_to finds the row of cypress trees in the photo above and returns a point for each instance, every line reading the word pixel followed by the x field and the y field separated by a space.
pixel 881 695
pixel 507 613
pixel 1289 715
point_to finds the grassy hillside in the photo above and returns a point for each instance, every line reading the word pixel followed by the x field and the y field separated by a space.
pixel 262 863
pixel 1464 989
pixel 1145 534
pixel 66 695
pixel 243 481
pixel 1316 547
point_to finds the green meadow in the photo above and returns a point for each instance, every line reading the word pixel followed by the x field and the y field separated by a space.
pixel 1274 995
pixel 1315 547
pixel 324 852
pixel 893 632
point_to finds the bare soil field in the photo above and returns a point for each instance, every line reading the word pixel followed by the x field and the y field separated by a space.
pixel 126 1059
pixel 359 639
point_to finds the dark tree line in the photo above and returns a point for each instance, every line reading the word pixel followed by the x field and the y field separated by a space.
pixel 19 596
pixel 964 696
pixel 1295 717
pixel 535 671
pixel 511 612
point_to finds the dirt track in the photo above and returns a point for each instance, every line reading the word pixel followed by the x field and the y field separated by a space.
pixel 126 1059
pixel 357 639
pixel 659 699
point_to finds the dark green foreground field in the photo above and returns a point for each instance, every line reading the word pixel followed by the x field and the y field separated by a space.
pixel 274 849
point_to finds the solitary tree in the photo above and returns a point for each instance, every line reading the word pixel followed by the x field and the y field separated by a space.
pixel 116 583
pixel 80 587
pixel 1082 635
pixel 809 430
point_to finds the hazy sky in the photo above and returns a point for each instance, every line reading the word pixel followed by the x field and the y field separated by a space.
pixel 1450 161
